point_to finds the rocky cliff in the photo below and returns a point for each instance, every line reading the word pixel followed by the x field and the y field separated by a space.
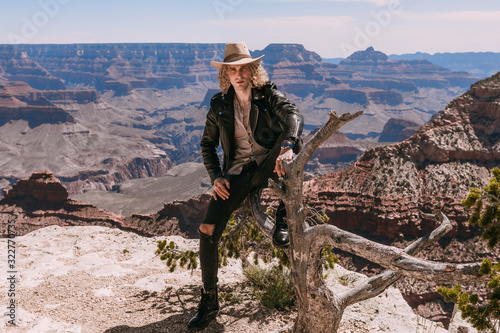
pixel 42 200
pixel 382 194
pixel 86 142
pixel 20 102
pixel 422 73
pixel 390 184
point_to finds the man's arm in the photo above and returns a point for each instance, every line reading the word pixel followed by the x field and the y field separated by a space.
pixel 209 143
pixel 293 122
pixel 288 114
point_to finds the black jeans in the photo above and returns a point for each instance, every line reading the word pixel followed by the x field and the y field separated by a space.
pixel 219 211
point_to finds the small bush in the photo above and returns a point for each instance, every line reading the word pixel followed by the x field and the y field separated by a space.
pixel 243 237
pixel 231 298
pixel 272 286
pixel 171 254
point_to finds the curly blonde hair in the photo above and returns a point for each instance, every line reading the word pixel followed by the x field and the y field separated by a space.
pixel 258 76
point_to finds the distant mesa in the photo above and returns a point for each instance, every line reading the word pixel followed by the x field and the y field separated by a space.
pixel 19 101
pixel 290 53
pixel 481 64
pixel 390 98
pixel 367 55
pixel 375 64
pixel 41 186
pixel 347 95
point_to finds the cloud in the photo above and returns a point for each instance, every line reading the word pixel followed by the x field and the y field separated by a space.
pixel 462 17
pixel 286 22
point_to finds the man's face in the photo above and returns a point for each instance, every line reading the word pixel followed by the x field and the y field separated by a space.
pixel 239 75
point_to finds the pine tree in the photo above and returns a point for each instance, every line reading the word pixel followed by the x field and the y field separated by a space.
pixel 483 315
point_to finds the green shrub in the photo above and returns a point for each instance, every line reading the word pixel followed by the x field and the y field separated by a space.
pixel 172 255
pixel 241 238
pixel 272 286
pixel 482 314
pixel 231 298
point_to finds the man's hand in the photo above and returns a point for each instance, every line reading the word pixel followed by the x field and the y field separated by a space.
pixel 221 187
pixel 286 154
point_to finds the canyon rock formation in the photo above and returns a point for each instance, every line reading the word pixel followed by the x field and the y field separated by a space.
pixel 439 163
pixel 125 111
pixel 84 141
pixel 397 129
pixel 381 196
pixel 42 200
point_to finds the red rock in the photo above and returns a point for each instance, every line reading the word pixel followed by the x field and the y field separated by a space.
pixel 384 191
pixel 42 200
pixel 382 195
pixel 41 186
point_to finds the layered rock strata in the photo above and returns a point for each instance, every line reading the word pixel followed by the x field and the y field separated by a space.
pixel 381 196
pixel 86 142
pixel 42 200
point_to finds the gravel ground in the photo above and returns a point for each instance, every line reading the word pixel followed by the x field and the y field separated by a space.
pixel 97 279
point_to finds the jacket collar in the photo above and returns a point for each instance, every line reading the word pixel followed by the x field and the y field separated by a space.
pixel 229 97
pixel 257 94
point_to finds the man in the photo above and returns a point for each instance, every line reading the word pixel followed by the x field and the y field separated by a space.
pixel 258 127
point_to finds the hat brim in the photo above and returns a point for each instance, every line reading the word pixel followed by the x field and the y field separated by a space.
pixel 243 61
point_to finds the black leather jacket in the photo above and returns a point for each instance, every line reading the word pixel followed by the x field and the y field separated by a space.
pixel 271 115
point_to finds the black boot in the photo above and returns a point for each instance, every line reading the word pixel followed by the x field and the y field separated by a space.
pixel 207 310
pixel 280 235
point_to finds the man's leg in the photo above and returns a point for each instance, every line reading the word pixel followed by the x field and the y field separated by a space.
pixel 281 237
pixel 218 213
pixel 266 170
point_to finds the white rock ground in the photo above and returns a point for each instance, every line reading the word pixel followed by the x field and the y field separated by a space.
pixel 80 279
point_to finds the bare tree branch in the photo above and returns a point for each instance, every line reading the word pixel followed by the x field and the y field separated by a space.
pixel 276 189
pixel 434 236
pixel 369 288
pixel 333 124
pixel 378 283
pixel 397 259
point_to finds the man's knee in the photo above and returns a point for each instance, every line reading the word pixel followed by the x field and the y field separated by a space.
pixel 207 229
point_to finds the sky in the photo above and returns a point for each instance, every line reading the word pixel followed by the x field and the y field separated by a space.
pixel 331 28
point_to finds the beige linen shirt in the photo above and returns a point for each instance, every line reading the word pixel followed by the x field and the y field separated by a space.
pixel 247 150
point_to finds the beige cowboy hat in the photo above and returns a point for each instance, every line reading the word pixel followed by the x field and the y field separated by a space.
pixel 235 54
